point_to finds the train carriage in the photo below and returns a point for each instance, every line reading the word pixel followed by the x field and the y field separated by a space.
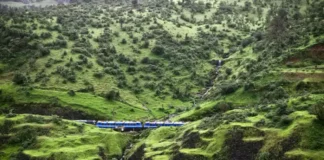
pixel 131 125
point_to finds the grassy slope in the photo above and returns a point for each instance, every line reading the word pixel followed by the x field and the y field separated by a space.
pixel 66 140
pixel 108 82
pixel 160 142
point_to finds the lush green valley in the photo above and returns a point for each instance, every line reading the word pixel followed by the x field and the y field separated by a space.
pixel 247 77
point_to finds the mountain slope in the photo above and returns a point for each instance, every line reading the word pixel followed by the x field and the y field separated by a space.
pixel 247 76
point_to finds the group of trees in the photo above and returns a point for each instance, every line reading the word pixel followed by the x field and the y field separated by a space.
pixel 175 55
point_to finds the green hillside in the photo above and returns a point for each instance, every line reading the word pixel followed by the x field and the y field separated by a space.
pixel 246 75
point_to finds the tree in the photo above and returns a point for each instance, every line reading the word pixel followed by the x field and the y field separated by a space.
pixel 71 93
pixel 123 41
pixel 247 6
pixel 158 50
pixel 278 26
pixel 135 3
pixel 228 71
pixel 121 21
pixel 318 110
pixel 112 95
pixel 20 79
pixel 146 44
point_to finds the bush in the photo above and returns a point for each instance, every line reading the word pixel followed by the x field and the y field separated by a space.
pixel 246 42
pixel 112 95
pixel 46 35
pixel 229 88
pixel 158 50
pixel 98 74
pixel 285 120
pixel 146 44
pixel 20 79
pixel 282 108
pixel 71 93
pixel 6 126
pixel 24 136
pixel 228 71
pixel 56 119
pixel 135 40
pixel 35 119
pixel 318 110
pixel 301 85
pixel 264 156
pixel 248 86
pixel 44 51
pixel 124 41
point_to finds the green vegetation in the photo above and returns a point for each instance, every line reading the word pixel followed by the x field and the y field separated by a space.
pixel 247 77
pixel 39 137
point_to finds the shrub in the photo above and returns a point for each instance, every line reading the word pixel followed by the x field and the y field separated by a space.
pixel 276 94
pixel 71 93
pixel 35 119
pixel 56 119
pixel 264 156
pixel 146 44
pixel 260 123
pixel 158 50
pixel 20 79
pixel 229 88
pixel 44 51
pixel 228 71
pixel 282 108
pixel 135 40
pixel 24 136
pixel 248 86
pixel 285 120
pixel 318 110
pixel 112 95
pixel 6 126
pixel 124 41
pixel 46 35
pixel 301 85
pixel 98 74
pixel 246 42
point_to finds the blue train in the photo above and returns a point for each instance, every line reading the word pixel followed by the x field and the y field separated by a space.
pixel 131 125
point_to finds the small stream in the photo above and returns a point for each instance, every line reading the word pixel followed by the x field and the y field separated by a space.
pixel 218 66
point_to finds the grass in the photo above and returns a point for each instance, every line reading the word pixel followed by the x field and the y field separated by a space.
pixel 242 97
pixel 66 141
pixel 82 101
pixel 204 107
pixel 218 139
pixel 161 157
pixel 99 105
pixel 196 151
pixel 306 154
